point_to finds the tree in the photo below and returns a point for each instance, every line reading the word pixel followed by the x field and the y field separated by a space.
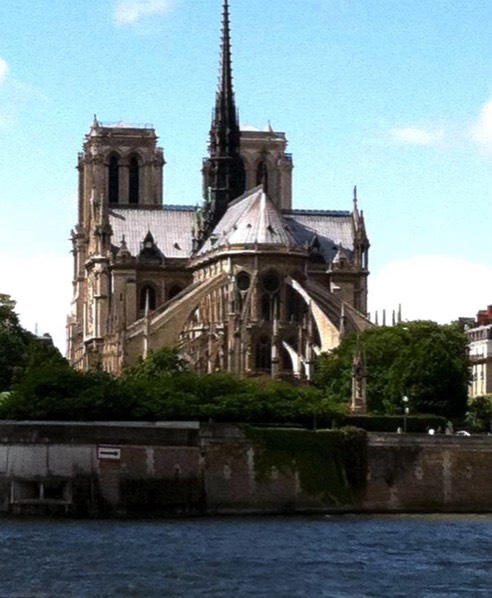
pixel 14 342
pixel 479 415
pixel 8 318
pixel 423 360
pixel 164 362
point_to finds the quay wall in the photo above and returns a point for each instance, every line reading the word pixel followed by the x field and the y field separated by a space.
pixel 187 468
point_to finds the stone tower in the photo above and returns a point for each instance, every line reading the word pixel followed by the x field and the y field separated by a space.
pixel 266 162
pixel 120 165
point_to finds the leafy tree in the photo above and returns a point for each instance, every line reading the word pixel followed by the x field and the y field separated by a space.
pixel 53 390
pixel 479 414
pixel 165 362
pixel 165 388
pixel 14 343
pixel 423 360
pixel 9 320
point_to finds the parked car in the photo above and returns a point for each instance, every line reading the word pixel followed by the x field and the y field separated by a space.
pixel 462 433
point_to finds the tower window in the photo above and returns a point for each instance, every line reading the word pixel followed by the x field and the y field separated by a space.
pixel 147 297
pixel 133 181
pixel 113 180
pixel 262 174
pixel 174 290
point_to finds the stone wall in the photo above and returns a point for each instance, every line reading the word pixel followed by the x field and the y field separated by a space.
pixel 180 469
pixel 417 472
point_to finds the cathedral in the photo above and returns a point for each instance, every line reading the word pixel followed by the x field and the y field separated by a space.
pixel 244 284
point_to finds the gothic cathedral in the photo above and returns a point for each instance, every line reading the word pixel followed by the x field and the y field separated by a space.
pixel 245 284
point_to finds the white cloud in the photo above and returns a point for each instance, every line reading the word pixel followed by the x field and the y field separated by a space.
pixel 129 12
pixel 439 288
pixel 41 286
pixel 15 97
pixel 481 131
pixel 4 69
pixel 416 135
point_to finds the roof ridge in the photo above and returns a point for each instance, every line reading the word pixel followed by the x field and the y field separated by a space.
pixel 318 212
pixel 160 208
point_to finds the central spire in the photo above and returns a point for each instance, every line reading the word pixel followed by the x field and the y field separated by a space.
pixel 224 169
pixel 226 92
pixel 225 133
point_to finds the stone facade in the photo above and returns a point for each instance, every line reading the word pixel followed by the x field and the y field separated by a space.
pixel 245 284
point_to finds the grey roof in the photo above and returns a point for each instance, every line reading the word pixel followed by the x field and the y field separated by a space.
pixel 252 219
pixel 170 226
pixel 333 228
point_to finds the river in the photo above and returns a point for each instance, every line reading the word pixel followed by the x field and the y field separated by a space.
pixel 337 557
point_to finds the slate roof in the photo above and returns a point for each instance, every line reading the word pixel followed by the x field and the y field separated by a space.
pixel 332 228
pixel 170 226
pixel 251 219
pixel 254 219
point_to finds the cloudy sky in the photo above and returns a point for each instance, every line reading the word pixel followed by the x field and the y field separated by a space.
pixel 392 96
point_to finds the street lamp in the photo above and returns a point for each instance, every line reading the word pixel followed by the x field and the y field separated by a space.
pixel 406 411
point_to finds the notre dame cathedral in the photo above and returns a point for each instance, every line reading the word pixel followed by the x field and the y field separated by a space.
pixel 245 284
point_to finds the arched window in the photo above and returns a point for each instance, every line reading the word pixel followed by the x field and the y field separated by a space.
pixel 113 180
pixel 243 281
pixel 270 298
pixel 262 174
pixel 133 181
pixel 263 361
pixel 174 290
pixel 147 297
pixel 296 307
pixel 285 360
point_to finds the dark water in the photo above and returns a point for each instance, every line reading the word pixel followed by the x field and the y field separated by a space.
pixel 414 556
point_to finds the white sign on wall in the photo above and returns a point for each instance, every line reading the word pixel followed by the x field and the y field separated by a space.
pixel 111 453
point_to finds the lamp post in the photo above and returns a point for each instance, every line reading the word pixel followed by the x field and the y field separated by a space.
pixel 406 411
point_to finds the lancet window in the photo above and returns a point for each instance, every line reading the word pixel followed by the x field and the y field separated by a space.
pixel 174 290
pixel 270 298
pixel 113 179
pixel 148 298
pixel 263 354
pixel 262 174
pixel 134 181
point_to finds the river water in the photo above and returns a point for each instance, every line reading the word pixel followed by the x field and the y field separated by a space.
pixel 337 557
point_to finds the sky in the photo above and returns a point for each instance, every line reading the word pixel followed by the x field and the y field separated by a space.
pixel 394 96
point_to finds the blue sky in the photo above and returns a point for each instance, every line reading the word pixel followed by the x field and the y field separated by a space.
pixel 392 96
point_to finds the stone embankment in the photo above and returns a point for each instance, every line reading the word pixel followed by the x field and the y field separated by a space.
pixel 187 468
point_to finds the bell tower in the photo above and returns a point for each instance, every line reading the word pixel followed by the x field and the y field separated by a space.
pixel 266 162
pixel 120 166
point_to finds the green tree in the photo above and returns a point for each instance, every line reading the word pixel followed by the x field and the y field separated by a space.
pixel 423 360
pixel 479 414
pixel 53 390
pixel 14 343
pixel 164 362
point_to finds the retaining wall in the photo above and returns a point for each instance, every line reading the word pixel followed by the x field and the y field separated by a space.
pixel 107 469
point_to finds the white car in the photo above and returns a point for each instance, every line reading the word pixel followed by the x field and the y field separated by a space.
pixel 462 433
